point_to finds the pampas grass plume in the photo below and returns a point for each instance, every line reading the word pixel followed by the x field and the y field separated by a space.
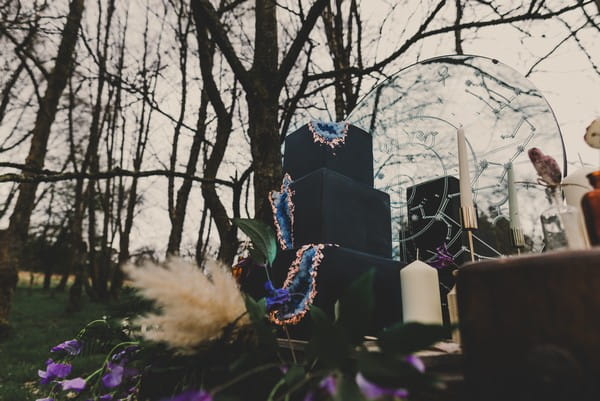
pixel 194 305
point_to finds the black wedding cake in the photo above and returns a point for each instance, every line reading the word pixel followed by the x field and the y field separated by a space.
pixel 332 225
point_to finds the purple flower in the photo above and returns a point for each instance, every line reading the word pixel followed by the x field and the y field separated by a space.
pixel 71 347
pixel 121 355
pixel 105 397
pixel 372 391
pixel 329 384
pixel 310 396
pixel 116 373
pixel 45 399
pixel 76 384
pixel 114 377
pixel 54 370
pixel 442 258
pixel 416 363
pixel 192 395
pixel 277 296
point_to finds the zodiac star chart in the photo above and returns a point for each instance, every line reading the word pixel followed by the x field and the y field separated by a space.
pixel 413 117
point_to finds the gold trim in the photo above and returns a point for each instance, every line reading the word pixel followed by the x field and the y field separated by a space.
pixel 517 238
pixel 468 217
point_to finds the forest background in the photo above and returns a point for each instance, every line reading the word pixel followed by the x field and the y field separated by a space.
pixel 139 129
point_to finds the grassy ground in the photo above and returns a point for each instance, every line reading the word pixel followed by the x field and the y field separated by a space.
pixel 38 322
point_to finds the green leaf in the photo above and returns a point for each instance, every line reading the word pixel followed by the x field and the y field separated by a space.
pixel 408 338
pixel 257 312
pixel 356 307
pixel 328 343
pixel 261 235
pixel 294 374
pixel 347 390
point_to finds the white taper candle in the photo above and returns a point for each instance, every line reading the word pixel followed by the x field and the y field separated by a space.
pixel 513 202
pixel 466 197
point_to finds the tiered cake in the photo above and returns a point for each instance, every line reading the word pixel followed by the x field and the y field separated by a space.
pixel 328 200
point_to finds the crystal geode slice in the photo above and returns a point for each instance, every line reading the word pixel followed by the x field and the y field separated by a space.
pixel 332 134
pixel 301 283
pixel 283 213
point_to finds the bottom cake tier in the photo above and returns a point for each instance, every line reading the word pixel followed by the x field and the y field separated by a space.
pixel 338 268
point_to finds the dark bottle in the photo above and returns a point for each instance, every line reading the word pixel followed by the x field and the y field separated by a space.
pixel 590 203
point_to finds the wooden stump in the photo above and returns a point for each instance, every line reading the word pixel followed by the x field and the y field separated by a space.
pixel 530 327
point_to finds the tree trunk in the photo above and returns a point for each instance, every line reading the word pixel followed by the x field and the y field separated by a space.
pixel 263 128
pixel 200 242
pixel 184 191
pixel 15 236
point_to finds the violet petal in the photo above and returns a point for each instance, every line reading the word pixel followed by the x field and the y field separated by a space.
pixel 76 384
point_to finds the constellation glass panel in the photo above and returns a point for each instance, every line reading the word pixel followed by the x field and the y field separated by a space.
pixel 413 117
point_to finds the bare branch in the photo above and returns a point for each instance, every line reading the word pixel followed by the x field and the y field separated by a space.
pixel 422 34
pixel 206 16
pixel 294 51
pixel 45 175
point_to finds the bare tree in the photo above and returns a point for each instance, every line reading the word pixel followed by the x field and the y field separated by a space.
pixel 13 238
pixel 262 83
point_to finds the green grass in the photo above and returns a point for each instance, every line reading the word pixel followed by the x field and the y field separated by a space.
pixel 39 322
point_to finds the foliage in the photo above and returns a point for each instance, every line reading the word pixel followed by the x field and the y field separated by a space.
pixel 39 322
pixel 262 237
pixel 336 363
pixel 150 362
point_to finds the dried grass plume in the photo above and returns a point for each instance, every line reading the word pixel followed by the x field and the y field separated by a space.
pixel 194 305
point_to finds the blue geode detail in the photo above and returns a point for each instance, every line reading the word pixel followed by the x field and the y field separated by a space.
pixel 329 133
pixel 301 285
pixel 283 213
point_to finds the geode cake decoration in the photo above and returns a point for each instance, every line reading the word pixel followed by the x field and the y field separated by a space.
pixel 332 134
pixel 282 205
pixel 301 283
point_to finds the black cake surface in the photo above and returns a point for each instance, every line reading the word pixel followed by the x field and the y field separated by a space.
pixel 353 158
pixel 332 208
pixel 338 269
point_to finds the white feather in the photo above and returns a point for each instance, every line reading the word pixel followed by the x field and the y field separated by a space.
pixel 195 306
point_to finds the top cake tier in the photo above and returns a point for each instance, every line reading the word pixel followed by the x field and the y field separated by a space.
pixel 341 147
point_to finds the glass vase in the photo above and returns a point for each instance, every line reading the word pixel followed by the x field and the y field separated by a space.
pixel 590 204
pixel 560 224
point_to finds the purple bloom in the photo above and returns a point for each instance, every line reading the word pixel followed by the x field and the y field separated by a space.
pixel 192 395
pixel 71 347
pixel 114 377
pixel 116 372
pixel 121 355
pixel 105 397
pixel 442 258
pixel 54 370
pixel 277 296
pixel 76 384
pixel 329 384
pixel 372 391
pixel 310 396
pixel 416 363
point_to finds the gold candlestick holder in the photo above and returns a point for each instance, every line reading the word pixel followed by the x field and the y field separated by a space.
pixel 517 238
pixel 468 217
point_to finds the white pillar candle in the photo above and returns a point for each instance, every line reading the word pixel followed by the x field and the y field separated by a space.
pixel 420 294
pixel 513 203
pixel 575 185
pixel 466 197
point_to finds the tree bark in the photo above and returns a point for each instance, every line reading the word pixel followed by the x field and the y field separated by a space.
pixel 183 192
pixel 13 239
pixel 263 129
pixel 263 84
